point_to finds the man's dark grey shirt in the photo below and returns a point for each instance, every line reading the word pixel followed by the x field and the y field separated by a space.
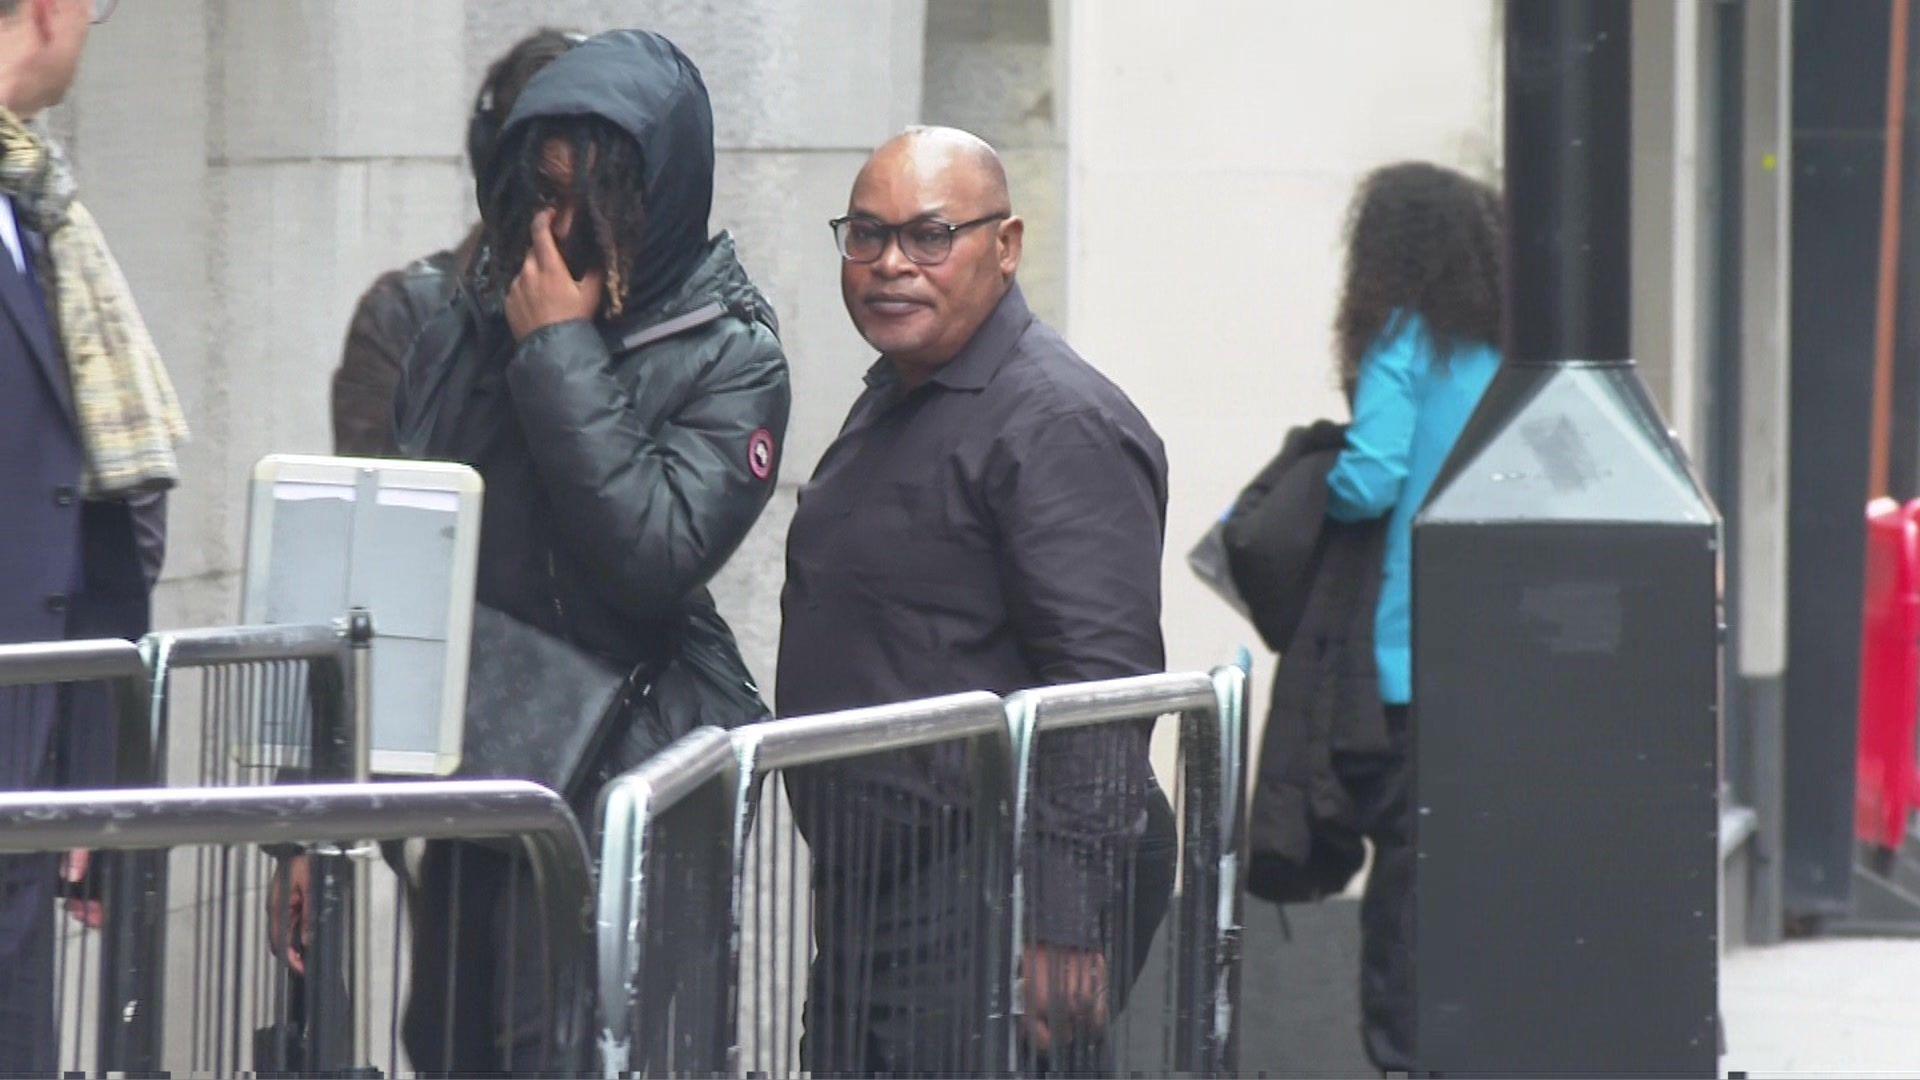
pixel 997 528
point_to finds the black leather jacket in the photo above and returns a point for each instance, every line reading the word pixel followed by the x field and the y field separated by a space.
pixel 388 317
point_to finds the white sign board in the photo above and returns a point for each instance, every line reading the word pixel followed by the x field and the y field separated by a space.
pixel 398 538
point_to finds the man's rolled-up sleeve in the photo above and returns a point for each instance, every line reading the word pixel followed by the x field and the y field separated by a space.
pixel 1081 504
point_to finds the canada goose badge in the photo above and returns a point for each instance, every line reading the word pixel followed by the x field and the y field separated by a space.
pixel 760 454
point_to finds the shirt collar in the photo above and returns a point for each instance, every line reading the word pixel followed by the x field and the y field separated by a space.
pixel 10 234
pixel 980 359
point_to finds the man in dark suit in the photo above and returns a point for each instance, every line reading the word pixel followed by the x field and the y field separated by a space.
pixel 73 564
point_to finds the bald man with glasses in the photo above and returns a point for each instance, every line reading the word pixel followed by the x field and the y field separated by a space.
pixel 989 518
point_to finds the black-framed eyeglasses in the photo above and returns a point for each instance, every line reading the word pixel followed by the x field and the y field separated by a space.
pixel 103 10
pixel 925 241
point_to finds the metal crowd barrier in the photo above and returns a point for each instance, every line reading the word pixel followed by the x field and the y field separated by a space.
pixel 36 682
pixel 1178 883
pixel 533 821
pixel 270 699
pixel 274 703
pixel 708 886
pixel 918 894
pixel 269 705
pixel 666 825
pixel 903 816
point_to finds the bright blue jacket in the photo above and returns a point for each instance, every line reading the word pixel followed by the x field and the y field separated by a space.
pixel 1408 410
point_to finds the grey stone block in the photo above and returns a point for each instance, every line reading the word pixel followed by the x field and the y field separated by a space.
pixel 784 74
pixel 338 79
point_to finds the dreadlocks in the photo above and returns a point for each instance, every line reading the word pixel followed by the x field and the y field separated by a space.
pixel 606 191
pixel 1423 239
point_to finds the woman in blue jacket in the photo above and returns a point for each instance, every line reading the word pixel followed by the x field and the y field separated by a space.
pixel 1417 330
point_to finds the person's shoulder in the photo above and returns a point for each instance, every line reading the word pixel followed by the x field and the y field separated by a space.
pixel 1046 379
pixel 718 319
pixel 725 344
pixel 748 344
pixel 414 292
pixel 387 290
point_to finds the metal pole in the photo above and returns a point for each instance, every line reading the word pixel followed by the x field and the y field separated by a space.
pixel 1568 152
pixel 358 632
pixel 359 636
pixel 991 757
pixel 1230 687
pixel 69 661
pixel 331 1037
pixel 133 944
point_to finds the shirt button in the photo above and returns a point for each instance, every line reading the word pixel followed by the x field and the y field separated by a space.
pixel 57 603
pixel 65 496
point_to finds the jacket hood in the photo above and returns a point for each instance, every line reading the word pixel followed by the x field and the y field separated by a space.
pixel 644 85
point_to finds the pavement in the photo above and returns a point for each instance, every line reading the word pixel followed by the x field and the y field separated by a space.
pixel 1823 1007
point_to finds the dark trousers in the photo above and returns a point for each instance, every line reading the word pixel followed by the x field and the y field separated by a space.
pixel 893 988
pixel 1381 788
pixel 477 1000
pixel 27 1036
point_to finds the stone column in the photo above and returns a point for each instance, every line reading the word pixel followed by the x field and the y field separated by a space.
pixel 991 69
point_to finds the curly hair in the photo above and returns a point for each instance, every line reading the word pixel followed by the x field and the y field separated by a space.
pixel 607 181
pixel 1422 239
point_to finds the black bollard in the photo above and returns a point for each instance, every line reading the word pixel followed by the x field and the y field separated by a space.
pixel 1566 638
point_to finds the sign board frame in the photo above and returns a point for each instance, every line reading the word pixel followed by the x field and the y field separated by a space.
pixel 396 505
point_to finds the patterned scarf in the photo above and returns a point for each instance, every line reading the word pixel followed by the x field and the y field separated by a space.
pixel 130 421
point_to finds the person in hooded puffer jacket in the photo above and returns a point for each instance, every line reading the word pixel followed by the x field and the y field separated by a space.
pixel 619 384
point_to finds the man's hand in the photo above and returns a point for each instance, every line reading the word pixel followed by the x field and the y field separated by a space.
pixel 73 870
pixel 288 910
pixel 545 293
pixel 1066 995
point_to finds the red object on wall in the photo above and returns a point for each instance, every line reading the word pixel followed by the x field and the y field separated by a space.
pixel 1888 788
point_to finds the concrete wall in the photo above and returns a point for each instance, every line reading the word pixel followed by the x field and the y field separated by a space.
pixel 253 175
pixel 144 172
pixel 1212 157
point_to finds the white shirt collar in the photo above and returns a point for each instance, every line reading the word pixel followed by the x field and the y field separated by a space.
pixel 10 234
